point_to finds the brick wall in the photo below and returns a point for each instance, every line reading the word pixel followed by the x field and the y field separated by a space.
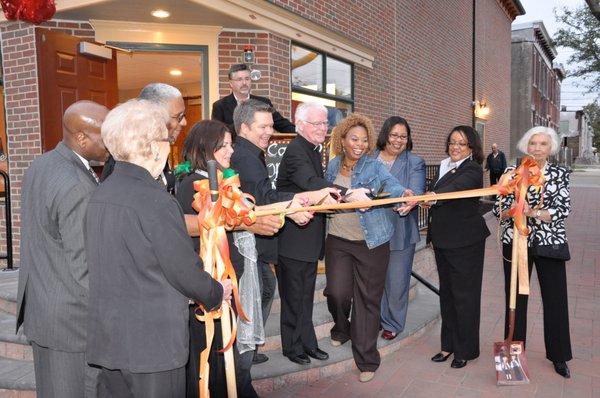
pixel 272 59
pixel 422 69
pixel 22 106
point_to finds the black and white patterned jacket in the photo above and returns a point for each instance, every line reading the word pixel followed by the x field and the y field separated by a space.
pixel 557 200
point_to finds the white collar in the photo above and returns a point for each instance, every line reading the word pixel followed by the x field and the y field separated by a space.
pixel 83 160
pixel 238 100
pixel 447 164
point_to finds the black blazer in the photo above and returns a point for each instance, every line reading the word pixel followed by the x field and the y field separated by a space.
pixel 301 170
pixel 222 110
pixel 142 270
pixel 457 222
pixel 249 161
pixel 109 166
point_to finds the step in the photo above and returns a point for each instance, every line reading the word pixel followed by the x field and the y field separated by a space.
pixel 8 291
pixel 16 376
pixel 279 371
pixel 13 346
pixel 318 297
pixel 322 321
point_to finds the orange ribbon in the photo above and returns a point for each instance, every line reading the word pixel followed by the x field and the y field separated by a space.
pixel 232 209
pixel 518 182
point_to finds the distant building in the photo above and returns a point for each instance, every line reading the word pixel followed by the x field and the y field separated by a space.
pixel 535 81
pixel 577 134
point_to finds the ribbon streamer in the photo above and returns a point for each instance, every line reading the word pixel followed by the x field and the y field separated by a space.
pixel 232 209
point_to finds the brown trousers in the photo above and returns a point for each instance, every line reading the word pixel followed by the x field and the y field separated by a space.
pixel 355 282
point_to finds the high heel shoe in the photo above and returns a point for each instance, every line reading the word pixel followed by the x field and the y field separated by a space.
pixel 562 369
pixel 440 357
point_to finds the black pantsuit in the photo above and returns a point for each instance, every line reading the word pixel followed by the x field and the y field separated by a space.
pixel 355 282
pixel 457 232
pixel 552 276
pixel 460 271
pixel 297 329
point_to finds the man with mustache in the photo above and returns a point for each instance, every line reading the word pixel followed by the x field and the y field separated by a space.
pixel 241 84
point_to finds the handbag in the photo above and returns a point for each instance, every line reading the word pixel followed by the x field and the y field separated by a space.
pixel 556 251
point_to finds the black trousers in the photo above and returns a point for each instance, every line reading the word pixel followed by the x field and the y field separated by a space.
pixel 296 280
pixel 495 176
pixel 552 276
pixel 124 384
pixel 460 271
pixel 355 282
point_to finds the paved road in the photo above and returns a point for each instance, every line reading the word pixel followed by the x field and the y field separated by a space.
pixel 409 372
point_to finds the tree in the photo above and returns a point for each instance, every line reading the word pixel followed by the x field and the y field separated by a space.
pixel 592 110
pixel 580 31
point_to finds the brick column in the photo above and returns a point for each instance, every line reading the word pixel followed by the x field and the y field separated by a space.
pixel 272 59
pixel 22 107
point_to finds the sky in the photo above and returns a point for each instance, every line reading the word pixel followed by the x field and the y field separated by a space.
pixel 573 96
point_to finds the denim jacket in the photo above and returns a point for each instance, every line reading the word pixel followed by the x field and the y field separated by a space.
pixel 368 172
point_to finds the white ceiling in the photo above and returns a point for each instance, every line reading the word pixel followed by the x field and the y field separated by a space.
pixel 182 12
pixel 137 69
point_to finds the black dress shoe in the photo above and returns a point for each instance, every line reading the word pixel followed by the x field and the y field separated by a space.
pixel 317 354
pixel 458 363
pixel 562 369
pixel 440 357
pixel 301 359
pixel 259 358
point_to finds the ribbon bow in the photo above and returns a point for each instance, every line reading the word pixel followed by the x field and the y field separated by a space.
pixel 518 182
pixel 231 209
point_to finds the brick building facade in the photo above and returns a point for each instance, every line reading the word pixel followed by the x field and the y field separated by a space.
pixel 410 58
pixel 535 80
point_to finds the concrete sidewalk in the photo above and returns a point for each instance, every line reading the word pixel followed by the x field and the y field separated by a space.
pixel 410 373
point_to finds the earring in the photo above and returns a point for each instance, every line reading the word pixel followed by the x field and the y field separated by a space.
pixel 156 157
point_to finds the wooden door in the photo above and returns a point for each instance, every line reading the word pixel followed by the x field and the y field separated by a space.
pixel 193 114
pixel 66 76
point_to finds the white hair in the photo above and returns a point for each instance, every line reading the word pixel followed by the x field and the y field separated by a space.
pixel 129 128
pixel 303 109
pixel 547 131
pixel 159 93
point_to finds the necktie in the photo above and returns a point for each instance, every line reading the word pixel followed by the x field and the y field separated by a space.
pixel 93 173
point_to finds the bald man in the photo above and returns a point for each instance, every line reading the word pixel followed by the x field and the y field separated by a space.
pixel 53 275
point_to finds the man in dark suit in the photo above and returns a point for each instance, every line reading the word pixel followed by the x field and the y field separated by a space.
pixel 53 278
pixel 300 247
pixel 171 98
pixel 254 121
pixel 495 163
pixel 240 83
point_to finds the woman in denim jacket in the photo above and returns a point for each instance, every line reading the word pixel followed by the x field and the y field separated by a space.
pixel 357 248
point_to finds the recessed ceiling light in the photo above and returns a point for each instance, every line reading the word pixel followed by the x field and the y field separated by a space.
pixel 161 13
pixel 175 72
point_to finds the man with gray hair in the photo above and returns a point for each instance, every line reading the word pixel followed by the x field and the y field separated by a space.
pixel 169 97
pixel 254 122
pixel 301 247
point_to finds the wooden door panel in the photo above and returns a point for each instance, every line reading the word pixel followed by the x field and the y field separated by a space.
pixel 65 76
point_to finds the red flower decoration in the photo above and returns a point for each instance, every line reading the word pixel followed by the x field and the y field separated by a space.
pixel 34 11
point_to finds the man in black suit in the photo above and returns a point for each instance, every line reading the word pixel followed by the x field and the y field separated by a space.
pixel 254 121
pixel 495 163
pixel 170 97
pixel 241 84
pixel 300 247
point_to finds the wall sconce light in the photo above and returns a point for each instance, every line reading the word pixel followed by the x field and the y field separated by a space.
pixel 249 59
pixel 481 109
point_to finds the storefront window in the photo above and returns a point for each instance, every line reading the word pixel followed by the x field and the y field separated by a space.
pixel 318 77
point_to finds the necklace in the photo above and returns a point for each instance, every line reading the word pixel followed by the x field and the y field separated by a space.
pixel 346 167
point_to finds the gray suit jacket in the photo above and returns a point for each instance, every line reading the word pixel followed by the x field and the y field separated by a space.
pixel 409 169
pixel 53 276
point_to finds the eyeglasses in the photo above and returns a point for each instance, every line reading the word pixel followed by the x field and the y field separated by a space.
pixel 179 117
pixel 459 144
pixel 169 139
pixel 318 124
pixel 398 137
